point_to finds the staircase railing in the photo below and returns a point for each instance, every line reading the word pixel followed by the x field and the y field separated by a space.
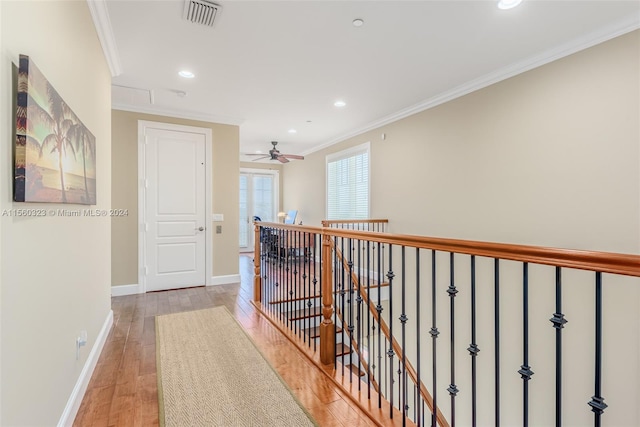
pixel 506 291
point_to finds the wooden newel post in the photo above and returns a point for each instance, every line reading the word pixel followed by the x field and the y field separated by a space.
pixel 327 327
pixel 257 279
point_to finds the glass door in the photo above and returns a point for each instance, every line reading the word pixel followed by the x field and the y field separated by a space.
pixel 258 197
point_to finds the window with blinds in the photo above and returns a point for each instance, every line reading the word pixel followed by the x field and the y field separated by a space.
pixel 348 184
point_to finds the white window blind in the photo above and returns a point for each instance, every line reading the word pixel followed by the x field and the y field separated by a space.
pixel 348 184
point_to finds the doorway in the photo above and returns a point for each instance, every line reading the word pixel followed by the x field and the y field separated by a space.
pixel 258 197
pixel 175 240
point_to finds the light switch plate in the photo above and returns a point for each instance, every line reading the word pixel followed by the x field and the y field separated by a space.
pixel 218 217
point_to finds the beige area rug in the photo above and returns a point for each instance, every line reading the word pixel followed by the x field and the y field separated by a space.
pixel 211 374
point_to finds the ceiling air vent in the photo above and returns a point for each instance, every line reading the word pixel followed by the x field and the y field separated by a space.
pixel 201 12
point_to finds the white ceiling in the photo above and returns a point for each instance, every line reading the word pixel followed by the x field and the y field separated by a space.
pixel 273 66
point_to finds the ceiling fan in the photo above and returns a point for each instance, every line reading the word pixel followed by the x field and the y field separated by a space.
pixel 274 154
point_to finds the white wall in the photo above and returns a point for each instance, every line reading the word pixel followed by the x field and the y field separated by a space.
pixel 55 278
pixel 550 158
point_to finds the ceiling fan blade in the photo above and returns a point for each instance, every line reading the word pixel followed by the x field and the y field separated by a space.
pixel 254 154
pixel 260 158
pixel 283 159
pixel 293 156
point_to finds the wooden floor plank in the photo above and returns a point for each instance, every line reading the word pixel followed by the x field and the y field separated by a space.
pixel 123 389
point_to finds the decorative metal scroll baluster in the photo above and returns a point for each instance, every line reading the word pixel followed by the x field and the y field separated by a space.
pixel 279 267
pixel 525 370
pixel 342 297
pixel 291 248
pixel 452 291
pixel 316 249
pixel 403 321
pixel 390 352
pixel 434 336
pixel 287 259
pixel 379 311
pixel 306 280
pixel 473 348
pixel 597 401
pixel 558 322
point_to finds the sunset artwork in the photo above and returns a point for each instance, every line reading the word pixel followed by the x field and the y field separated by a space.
pixel 55 154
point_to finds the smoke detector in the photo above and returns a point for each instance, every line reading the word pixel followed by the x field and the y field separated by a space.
pixel 201 12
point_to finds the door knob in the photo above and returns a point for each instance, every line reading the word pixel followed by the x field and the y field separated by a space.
pixel 200 229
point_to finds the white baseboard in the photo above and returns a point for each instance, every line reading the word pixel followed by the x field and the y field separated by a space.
pixel 224 280
pixel 73 404
pixel 122 290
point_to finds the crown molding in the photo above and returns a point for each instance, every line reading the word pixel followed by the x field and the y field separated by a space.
pixel 189 115
pixel 631 23
pixel 101 21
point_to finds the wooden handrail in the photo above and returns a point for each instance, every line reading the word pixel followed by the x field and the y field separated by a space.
pixel 384 328
pixel 606 262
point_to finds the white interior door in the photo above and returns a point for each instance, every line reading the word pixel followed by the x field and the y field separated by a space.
pixel 174 209
pixel 258 197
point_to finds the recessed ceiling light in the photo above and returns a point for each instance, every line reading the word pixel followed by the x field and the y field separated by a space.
pixel 358 22
pixel 339 103
pixel 508 4
pixel 186 74
pixel 258 152
pixel 293 131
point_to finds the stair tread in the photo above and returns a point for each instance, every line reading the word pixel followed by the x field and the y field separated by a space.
pixel 342 349
pixel 305 313
pixel 315 331
pixel 301 294
pixel 353 368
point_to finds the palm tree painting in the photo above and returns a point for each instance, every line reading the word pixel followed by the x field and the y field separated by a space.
pixel 55 153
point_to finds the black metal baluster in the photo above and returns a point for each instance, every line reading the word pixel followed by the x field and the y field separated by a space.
pixel 277 262
pixel 340 291
pixel 379 311
pixel 452 292
pixel 434 336
pixel 350 298
pixel 390 352
pixel 403 322
pixel 358 314
pixel 368 306
pixel 597 401
pixel 306 253
pixel 307 302
pixel 473 348
pixel 290 292
pixel 317 284
pixel 496 317
pixel 525 370
pixel 293 245
pixel 269 275
pixel 418 400
pixel 558 322
pixel 303 284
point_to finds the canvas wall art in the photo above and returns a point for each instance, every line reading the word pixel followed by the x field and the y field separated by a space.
pixel 55 154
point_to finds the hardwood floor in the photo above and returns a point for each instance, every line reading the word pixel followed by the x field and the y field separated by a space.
pixel 123 388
